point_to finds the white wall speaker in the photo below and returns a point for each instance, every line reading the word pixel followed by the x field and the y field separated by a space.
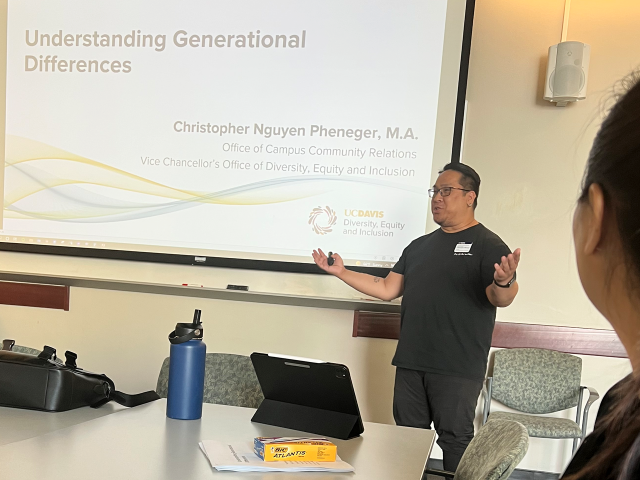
pixel 567 71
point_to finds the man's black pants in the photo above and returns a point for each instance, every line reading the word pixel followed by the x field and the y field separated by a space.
pixel 420 398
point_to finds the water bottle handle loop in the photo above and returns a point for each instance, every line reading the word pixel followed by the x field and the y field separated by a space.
pixel 175 339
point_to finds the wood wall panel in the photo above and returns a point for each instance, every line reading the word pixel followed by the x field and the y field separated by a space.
pixel 376 324
pixel 35 295
pixel 578 341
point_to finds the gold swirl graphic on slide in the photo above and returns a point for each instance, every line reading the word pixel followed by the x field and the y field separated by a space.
pixel 47 183
pixel 330 221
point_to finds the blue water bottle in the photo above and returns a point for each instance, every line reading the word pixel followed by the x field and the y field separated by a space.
pixel 186 370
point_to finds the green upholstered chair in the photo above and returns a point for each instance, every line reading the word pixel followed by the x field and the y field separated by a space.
pixel 27 350
pixel 8 344
pixel 536 382
pixel 493 454
pixel 228 380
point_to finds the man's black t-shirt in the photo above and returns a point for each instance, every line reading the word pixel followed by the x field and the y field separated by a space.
pixel 447 320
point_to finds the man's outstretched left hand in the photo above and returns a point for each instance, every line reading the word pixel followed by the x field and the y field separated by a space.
pixel 506 269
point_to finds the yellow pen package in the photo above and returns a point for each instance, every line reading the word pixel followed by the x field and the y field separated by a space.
pixel 300 449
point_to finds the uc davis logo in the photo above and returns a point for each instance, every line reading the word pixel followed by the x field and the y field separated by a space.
pixel 322 219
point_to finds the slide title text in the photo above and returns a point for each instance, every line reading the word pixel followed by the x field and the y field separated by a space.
pixel 138 39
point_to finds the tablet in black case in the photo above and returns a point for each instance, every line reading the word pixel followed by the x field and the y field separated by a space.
pixel 312 397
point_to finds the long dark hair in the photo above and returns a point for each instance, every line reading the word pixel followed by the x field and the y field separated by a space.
pixel 614 165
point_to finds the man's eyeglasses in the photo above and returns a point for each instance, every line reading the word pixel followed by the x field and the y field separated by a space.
pixel 444 191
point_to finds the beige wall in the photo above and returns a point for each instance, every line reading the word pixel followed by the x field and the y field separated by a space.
pixel 530 155
pixel 124 335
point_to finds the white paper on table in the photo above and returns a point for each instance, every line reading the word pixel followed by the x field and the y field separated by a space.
pixel 240 457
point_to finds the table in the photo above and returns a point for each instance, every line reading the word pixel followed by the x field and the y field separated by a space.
pixel 142 443
pixel 17 424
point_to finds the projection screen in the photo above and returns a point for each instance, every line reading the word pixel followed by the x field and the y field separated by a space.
pixel 236 133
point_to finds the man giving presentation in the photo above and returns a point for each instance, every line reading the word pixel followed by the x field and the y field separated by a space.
pixel 451 280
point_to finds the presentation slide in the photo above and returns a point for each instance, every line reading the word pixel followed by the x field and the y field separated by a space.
pixel 255 129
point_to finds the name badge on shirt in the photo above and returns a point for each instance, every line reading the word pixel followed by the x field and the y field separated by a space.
pixel 463 247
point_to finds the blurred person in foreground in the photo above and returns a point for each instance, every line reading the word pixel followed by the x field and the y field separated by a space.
pixel 606 229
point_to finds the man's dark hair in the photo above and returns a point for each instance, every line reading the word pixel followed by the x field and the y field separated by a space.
pixel 469 178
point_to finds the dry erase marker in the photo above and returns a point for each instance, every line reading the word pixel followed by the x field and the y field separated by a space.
pixel 192 285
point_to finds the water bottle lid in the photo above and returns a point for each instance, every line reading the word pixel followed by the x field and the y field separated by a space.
pixel 187 331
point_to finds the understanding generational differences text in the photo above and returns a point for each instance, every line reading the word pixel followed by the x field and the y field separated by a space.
pixel 138 39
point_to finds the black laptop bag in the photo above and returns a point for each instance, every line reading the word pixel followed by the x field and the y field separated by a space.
pixel 42 382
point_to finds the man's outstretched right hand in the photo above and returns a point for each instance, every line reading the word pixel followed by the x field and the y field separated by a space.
pixel 322 261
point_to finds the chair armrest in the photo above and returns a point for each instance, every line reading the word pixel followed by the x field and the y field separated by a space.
pixel 440 473
pixel 593 396
pixel 487 389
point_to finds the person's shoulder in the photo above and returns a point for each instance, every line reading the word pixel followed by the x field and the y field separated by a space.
pixel 488 237
pixel 418 242
pixel 631 470
pixel 486 233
